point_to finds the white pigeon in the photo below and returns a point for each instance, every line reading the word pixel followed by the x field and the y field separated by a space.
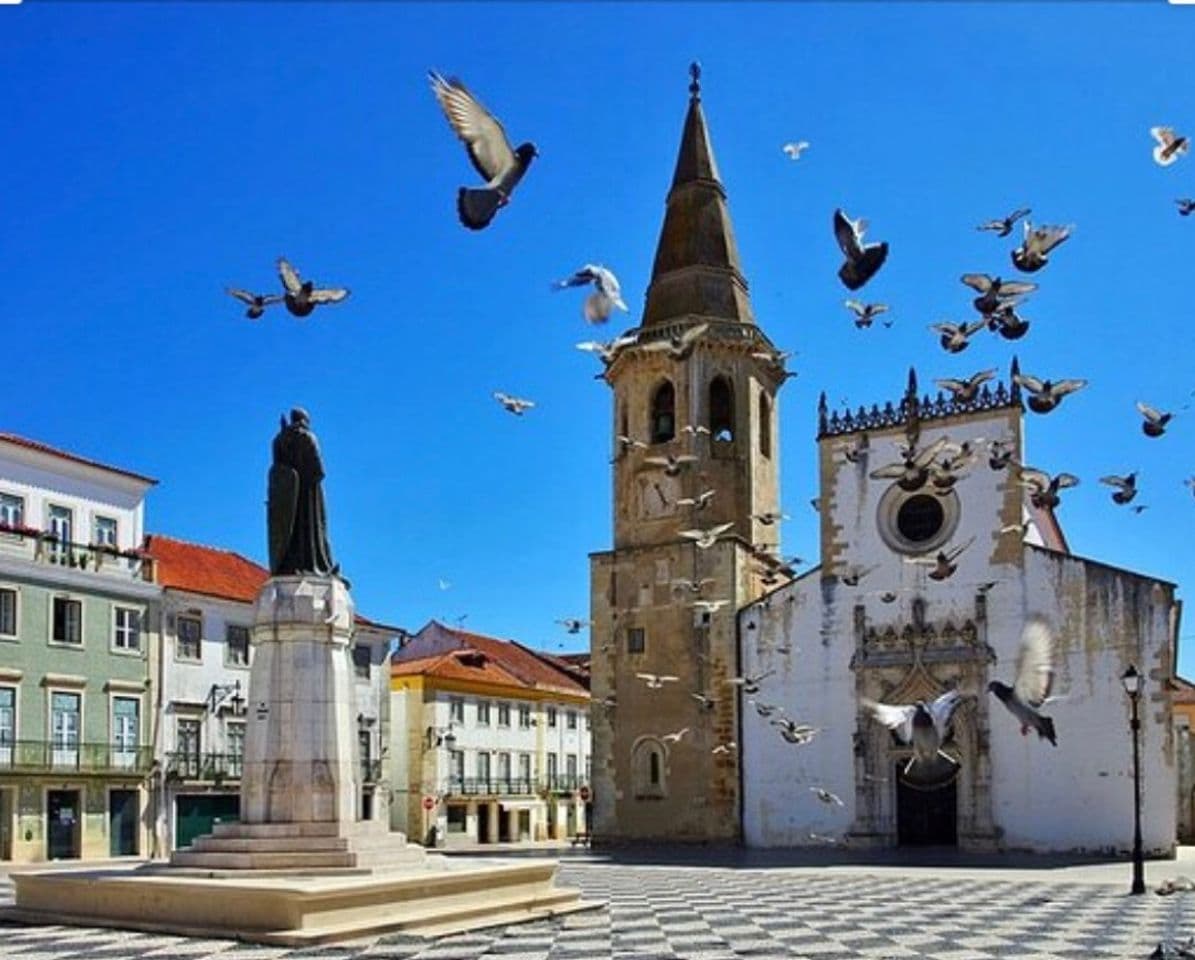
pixel 656 681
pixel 515 405
pixel 795 149
pixel 924 726
pixel 607 294
pixel 724 747
pixel 490 152
pixel 826 797
pixel 1170 146
pixel 706 538
pixel 671 464
pixel 675 737
pixel 709 606
pixel 608 351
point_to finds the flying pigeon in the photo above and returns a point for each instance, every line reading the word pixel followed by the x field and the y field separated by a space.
pixel 607 351
pixel 994 292
pixel 887 596
pixel 707 703
pixel 1045 395
pixel 1185 206
pixel 724 748
pixel 913 471
pixel 1155 421
pixel 965 391
pixel 606 296
pixel 514 405
pixel 1003 226
pixel 956 337
pixel 678 346
pixel 699 502
pixel 865 313
pixel 1170 146
pixel 626 443
pixel 1007 322
pixel 944 563
pixel 826 797
pixel 999 453
pixel 793 732
pixel 257 302
pixel 794 150
pixel 706 538
pixel 857 450
pixel 675 737
pixel 693 430
pixel 708 606
pixel 862 261
pixel 749 683
pixel 1043 489
pixel 302 296
pixel 1034 251
pixel 852 575
pixel 573 625
pixel 769 517
pixel 672 464
pixel 1126 487
pixel 489 151
pixel 925 726
pixel 1034 679
pixel 656 681
pixel 774 357
pixel 763 709
pixel 692 586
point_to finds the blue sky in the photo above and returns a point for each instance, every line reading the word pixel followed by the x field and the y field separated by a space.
pixel 157 153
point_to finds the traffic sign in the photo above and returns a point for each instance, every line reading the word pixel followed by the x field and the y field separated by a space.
pixel 429 803
pixel 583 793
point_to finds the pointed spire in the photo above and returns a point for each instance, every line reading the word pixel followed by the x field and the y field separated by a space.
pixel 696 271
pixel 1014 388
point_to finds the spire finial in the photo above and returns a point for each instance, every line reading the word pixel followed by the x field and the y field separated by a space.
pixel 695 80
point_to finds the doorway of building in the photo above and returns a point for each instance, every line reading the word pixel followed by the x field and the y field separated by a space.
pixel 197 814
pixel 6 824
pixel 926 816
pixel 63 811
pixel 124 812
pixel 483 823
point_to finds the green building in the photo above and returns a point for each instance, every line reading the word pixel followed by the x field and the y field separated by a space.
pixel 77 665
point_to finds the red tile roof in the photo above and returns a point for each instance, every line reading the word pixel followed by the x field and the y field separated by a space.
pixel 66 455
pixel 458 665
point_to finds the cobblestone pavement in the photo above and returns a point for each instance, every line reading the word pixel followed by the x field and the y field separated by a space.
pixel 703 913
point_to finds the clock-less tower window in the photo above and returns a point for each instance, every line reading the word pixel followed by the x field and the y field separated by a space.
pixel 663 413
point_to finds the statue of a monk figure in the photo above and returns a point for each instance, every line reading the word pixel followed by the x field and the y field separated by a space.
pixel 298 526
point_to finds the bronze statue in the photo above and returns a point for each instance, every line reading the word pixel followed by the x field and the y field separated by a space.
pixel 298 526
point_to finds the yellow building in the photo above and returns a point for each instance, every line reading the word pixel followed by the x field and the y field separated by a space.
pixel 490 740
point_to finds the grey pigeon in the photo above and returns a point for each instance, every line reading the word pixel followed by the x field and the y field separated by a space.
pixel 993 292
pixel 862 260
pixel 1003 226
pixel 1007 322
pixel 956 337
pixel 912 472
pixel 1043 489
pixel 1034 251
pixel 865 313
pixel 924 726
pixel 1126 487
pixel 257 302
pixel 1034 680
pixel 607 294
pixel 944 563
pixel 965 391
pixel 1045 395
pixel 489 151
pixel 999 453
pixel 1185 206
pixel 302 296
pixel 1154 424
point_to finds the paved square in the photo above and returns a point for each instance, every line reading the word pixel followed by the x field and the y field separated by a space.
pixel 720 913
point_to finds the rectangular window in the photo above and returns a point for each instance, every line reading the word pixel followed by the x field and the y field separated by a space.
pixel 126 731
pixel 8 612
pixel 504 768
pixel 525 770
pixel 12 510
pixel 365 749
pixel 483 713
pixel 525 716
pixel 189 645
pixel 552 717
pixel 456 709
pixel 64 722
pixel 361 661
pixel 126 628
pixel 236 641
pixel 636 640
pixel 456 764
pixel 553 769
pixel 8 724
pixel 234 737
pixel 572 719
pixel 68 620
pixel 570 769
pixel 62 527
pixel 187 744
pixel 504 714
pixel 483 769
pixel 105 532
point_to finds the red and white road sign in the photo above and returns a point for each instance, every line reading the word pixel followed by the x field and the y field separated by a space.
pixel 583 793
pixel 429 803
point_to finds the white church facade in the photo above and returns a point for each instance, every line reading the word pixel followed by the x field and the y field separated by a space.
pixel 824 647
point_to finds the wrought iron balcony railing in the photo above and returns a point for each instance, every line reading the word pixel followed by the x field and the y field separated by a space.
pixel 48 548
pixel 371 771
pixel 47 755
pixel 214 767
pixel 508 787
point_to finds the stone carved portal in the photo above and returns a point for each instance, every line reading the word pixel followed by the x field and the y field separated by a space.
pixel 920 661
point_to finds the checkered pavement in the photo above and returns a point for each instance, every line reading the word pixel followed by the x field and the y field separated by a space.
pixel 696 913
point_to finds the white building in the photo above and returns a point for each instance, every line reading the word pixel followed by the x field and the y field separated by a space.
pixel 821 646
pixel 490 741
pixel 204 684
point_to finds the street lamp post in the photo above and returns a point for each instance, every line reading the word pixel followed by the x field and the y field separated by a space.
pixel 1132 686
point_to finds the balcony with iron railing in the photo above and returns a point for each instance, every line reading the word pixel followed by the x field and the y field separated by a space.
pixel 46 756
pixel 510 786
pixel 42 546
pixel 221 767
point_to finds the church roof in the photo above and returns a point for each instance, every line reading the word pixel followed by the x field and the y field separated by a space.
pixel 697 273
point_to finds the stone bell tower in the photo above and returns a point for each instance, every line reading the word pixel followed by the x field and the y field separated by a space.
pixel 700 382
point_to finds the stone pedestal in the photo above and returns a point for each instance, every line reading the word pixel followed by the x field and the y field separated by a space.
pixel 301 763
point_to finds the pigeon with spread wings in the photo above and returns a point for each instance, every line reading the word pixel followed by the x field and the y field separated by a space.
pixel 924 726
pixel 1034 251
pixel 943 563
pixel 1170 146
pixel 1045 395
pixel 865 313
pixel 515 405
pixel 1034 681
pixel 965 391
pixel 914 469
pixel 956 337
pixel 490 152
pixel 607 294
pixel 256 302
pixel 1154 424
pixel 1003 226
pixel 302 296
pixel 1043 489
pixel 1126 486
pixel 862 260
pixel 994 292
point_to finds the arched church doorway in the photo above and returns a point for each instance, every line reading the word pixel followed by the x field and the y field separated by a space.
pixel 926 811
